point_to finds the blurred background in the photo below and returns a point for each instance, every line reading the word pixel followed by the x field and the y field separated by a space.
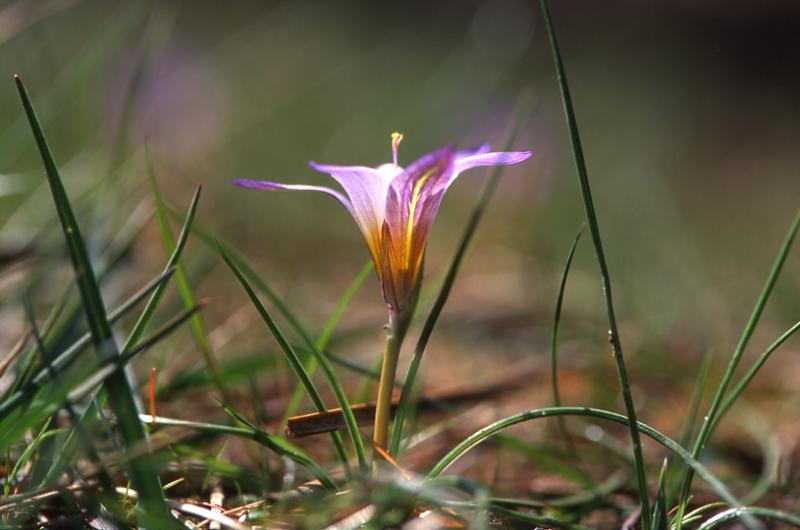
pixel 688 113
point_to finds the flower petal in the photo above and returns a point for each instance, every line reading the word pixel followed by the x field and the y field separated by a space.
pixel 479 150
pixel 366 187
pixel 412 201
pixel 277 186
pixel 503 158
pixel 423 178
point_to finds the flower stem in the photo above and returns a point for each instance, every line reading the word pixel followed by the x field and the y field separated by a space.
pixel 398 325
pixel 391 353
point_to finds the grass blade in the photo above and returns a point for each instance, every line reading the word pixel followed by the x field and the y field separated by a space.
pixel 107 370
pixel 302 374
pixel 153 507
pixel 139 328
pixel 713 415
pixel 599 492
pixel 25 457
pixel 252 276
pixel 554 345
pixel 739 513
pixel 62 315
pixel 550 463
pixel 403 408
pixel 324 337
pixel 185 291
pixel 87 385
pixel 594 228
pixel 274 443
pixel 697 396
pixel 694 407
pixel 660 519
pixel 65 358
pixel 742 384
pixel 459 450
pixel 104 478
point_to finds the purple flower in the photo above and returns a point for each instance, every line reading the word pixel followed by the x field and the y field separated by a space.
pixel 395 207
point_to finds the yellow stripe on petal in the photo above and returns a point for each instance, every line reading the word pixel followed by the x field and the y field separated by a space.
pixel 412 208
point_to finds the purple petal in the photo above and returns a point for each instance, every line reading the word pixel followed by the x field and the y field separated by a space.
pixel 464 163
pixel 483 148
pixel 424 177
pixel 366 188
pixel 277 186
pixel 411 205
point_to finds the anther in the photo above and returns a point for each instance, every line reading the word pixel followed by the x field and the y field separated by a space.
pixel 396 139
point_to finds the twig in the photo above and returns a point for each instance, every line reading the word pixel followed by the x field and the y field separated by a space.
pixel 333 420
pixel 15 351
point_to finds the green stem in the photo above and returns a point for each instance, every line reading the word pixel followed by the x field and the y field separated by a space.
pixel 391 352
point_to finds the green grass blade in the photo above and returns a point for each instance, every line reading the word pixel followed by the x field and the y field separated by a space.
pixel 554 345
pixel 162 332
pixel 325 335
pixel 697 396
pixel 545 462
pixel 694 407
pixel 771 450
pixel 740 513
pixel 536 521
pixel 352 289
pixel 660 519
pixel 713 416
pixel 592 496
pixel 274 443
pixel 696 514
pixel 69 355
pixel 153 506
pixel 87 385
pixel 403 408
pixel 594 228
pixel 758 310
pixel 25 457
pixel 91 413
pixel 140 327
pixel 104 479
pixel 731 397
pixel 302 374
pixel 196 324
pixel 252 276
pixel 459 450
pixel 63 315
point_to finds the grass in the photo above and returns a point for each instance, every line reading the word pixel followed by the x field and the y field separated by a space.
pixel 77 448
pixel 594 229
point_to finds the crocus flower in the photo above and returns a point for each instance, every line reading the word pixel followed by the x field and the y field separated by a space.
pixel 394 207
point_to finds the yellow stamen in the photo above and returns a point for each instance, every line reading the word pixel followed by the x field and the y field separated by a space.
pixel 396 139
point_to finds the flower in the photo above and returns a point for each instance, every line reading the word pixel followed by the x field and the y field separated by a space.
pixel 395 207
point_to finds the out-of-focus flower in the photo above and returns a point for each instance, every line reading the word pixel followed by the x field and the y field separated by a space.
pixel 394 207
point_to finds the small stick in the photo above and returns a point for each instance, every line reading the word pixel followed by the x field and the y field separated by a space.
pixel 330 420
pixel 333 420
pixel 15 351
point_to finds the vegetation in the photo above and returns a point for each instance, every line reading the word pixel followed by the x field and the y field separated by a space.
pixel 111 416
